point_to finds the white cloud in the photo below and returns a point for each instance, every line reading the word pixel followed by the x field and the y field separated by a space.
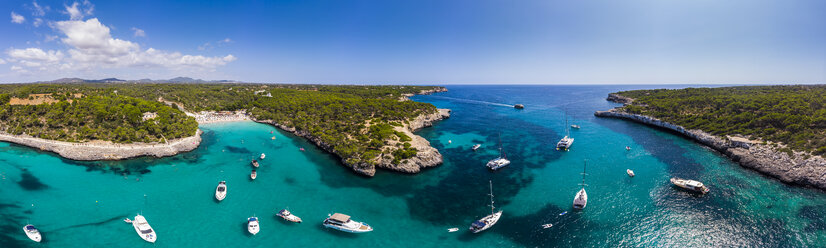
pixel 37 22
pixel 38 10
pixel 226 40
pixel 50 38
pixel 15 18
pixel 138 32
pixel 205 46
pixel 2 62
pixel 78 10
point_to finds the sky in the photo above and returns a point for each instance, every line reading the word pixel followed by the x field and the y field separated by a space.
pixel 418 41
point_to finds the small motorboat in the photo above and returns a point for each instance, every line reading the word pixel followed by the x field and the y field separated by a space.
pixel 255 163
pixel 563 213
pixel 519 106
pixel 453 229
pixel 127 220
pixel 449 141
pixel 630 172
pixel 273 138
pixel 143 229
pixel 253 175
pixel 301 149
pixel 575 126
pixel 221 191
pixel 691 185
pixel 342 222
pixel 262 156
pixel 285 214
pixel 627 148
pixel 476 146
pixel 546 226
pixel 252 225
pixel 32 233
pixel 270 131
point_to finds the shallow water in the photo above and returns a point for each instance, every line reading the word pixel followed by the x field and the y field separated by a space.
pixel 82 204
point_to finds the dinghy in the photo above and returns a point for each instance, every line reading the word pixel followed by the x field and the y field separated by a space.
pixel 262 156
pixel 453 229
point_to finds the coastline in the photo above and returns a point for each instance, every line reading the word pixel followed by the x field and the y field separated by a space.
pixel 106 150
pixel 792 169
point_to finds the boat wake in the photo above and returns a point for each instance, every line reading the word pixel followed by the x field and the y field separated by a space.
pixel 473 101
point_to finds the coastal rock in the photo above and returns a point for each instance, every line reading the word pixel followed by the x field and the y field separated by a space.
pixel 100 150
pixel 619 98
pixel 426 156
pixel 795 168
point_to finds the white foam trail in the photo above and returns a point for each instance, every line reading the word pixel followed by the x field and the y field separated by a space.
pixel 474 101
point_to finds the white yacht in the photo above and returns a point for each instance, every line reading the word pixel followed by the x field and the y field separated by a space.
pixel 342 222
pixel 691 185
pixel 581 198
pixel 476 146
pixel 262 156
pixel 32 232
pixel 488 221
pixel 253 175
pixel 252 225
pixel 143 229
pixel 566 142
pixel 221 191
pixel 501 161
pixel 285 214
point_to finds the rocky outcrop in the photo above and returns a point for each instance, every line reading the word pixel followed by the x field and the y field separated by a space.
pixel 796 168
pixel 619 98
pixel 427 156
pixel 104 150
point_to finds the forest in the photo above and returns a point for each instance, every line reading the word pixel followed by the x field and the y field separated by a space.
pixel 794 115
pixel 357 121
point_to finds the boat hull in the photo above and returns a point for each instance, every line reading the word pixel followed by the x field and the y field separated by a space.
pixel 490 220
pixel 148 237
pixel 581 199
pixel 34 236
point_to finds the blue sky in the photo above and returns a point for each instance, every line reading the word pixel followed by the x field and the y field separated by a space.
pixel 421 41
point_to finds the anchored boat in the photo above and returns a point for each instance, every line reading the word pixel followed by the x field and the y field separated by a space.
pixel 476 146
pixel 501 161
pixel 252 225
pixel 566 142
pixel 488 221
pixel 262 156
pixel 221 191
pixel 630 172
pixel 691 185
pixel 285 214
pixel 581 198
pixel 342 222
pixel 254 163
pixel 32 233
pixel 253 175
pixel 143 229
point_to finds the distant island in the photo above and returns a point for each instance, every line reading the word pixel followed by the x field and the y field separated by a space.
pixel 777 130
pixel 109 119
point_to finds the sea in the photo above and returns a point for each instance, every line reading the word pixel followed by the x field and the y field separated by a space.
pixel 84 204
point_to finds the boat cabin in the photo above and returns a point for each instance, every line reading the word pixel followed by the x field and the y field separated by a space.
pixel 342 218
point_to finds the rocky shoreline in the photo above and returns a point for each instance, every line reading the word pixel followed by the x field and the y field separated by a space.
pixel 427 156
pixel 105 150
pixel 797 168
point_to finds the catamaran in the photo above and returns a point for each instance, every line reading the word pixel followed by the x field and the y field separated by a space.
pixel 501 161
pixel 285 214
pixel 566 142
pixel 342 222
pixel 143 229
pixel 581 198
pixel 488 221
pixel 32 233
pixel 221 191
pixel 691 185
pixel 252 225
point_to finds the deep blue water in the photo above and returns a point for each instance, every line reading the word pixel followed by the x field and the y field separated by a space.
pixel 81 204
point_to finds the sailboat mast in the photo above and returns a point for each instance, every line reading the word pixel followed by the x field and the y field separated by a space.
pixel 583 172
pixel 501 151
pixel 567 127
pixel 491 196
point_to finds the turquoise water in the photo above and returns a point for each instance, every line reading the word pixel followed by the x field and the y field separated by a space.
pixel 82 204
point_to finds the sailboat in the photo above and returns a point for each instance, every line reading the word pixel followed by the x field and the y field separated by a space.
pixel 566 142
pixel 501 161
pixel 581 198
pixel 487 221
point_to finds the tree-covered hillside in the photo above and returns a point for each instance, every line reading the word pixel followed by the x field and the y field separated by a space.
pixel 793 115
pixel 356 121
